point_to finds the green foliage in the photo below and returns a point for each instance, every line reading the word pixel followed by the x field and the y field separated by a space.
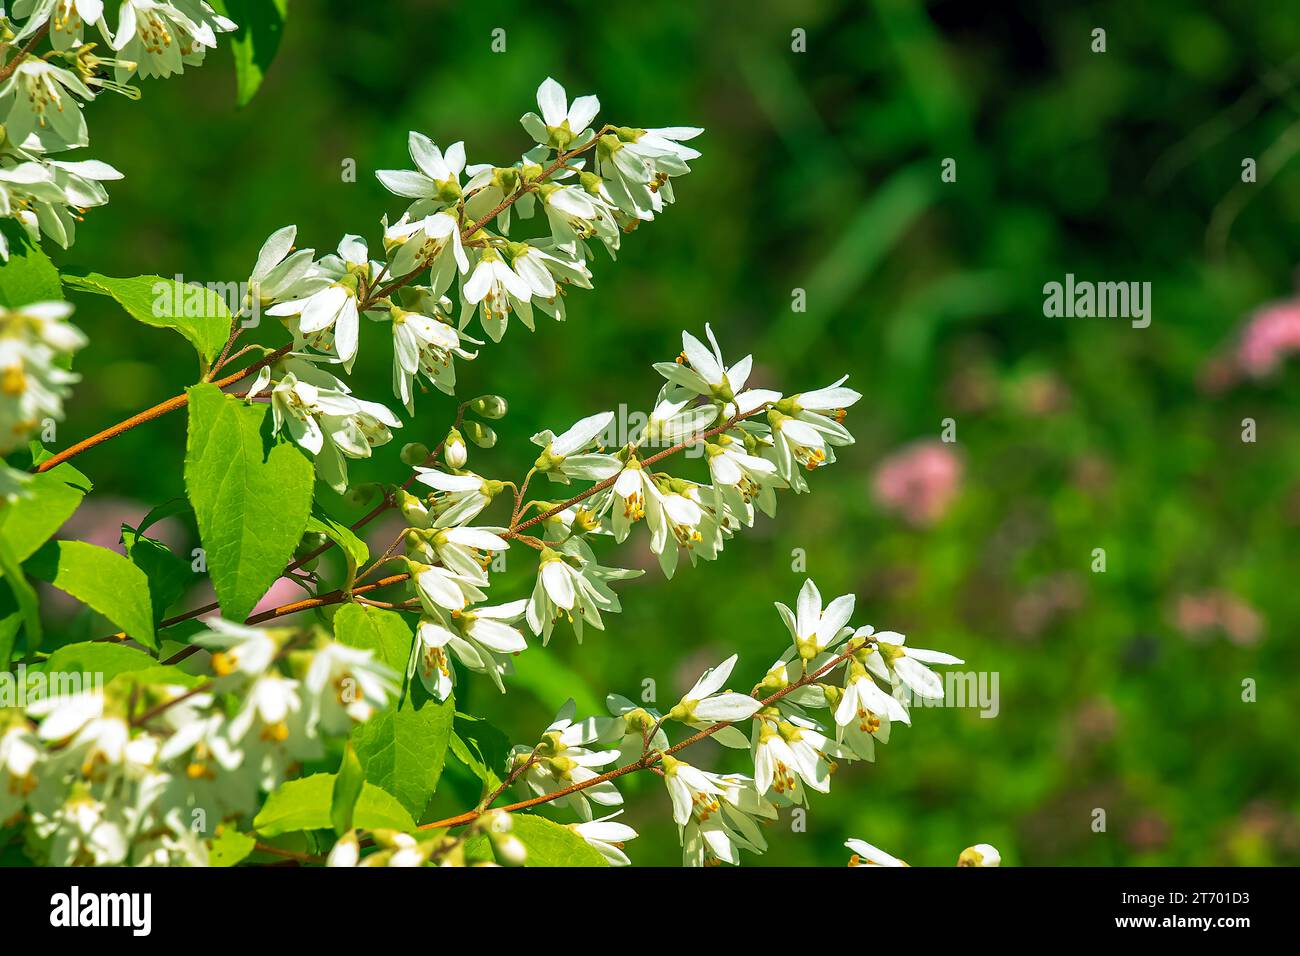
pixel 29 521
pixel 480 748
pixel 230 847
pixel 197 313
pixel 101 579
pixel 550 844
pixel 168 574
pixel 261 23
pixel 251 502
pixel 29 275
pixel 403 748
pixel 347 791
pixel 307 803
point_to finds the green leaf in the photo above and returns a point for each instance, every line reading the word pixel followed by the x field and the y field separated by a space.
pixel 29 275
pixel 354 549
pixel 102 579
pixel 261 24
pixel 229 846
pixel 168 574
pixel 481 747
pixel 98 657
pixel 550 844
pixel 305 804
pixel 196 312
pixel 11 622
pixel 347 790
pixel 402 749
pixel 251 501
pixel 374 629
pixel 28 522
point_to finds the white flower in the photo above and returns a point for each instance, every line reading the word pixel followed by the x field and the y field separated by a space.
pixel 563 456
pixel 273 715
pixel 439 587
pixel 575 215
pixel 431 242
pixel 325 420
pixel 248 651
pixel 867 855
pixel 715 813
pixel 864 712
pixel 347 685
pixel 346 851
pixel 562 759
pixel 742 478
pixel 42 103
pixel 436 178
pixel 981 854
pixel 332 307
pixel 813 629
pixel 69 19
pixel 792 754
pixel 606 837
pixel 562 125
pixel 481 638
pixel 20 758
pixel 160 38
pixel 636 166
pixel 424 345
pixel 280 272
pixel 497 290
pixel 703 706
pixel 34 340
pixel 83 831
pixel 897 664
pixel 457 498
pixel 570 584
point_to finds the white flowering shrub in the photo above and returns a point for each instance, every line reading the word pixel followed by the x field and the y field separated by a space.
pixel 316 731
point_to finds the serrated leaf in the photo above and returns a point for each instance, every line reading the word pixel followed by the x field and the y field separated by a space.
pixel 29 521
pixel 168 574
pixel 261 24
pixel 29 275
pixel 229 847
pixel 251 501
pixel 403 749
pixel 196 312
pixel 305 805
pixel 101 579
pixel 550 844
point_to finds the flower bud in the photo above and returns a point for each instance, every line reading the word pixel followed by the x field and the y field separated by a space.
pixel 346 852
pixel 415 453
pixel 480 434
pixel 981 854
pixel 489 406
pixel 454 452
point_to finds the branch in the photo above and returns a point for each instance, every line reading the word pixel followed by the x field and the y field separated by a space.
pixel 8 69
pixel 371 297
pixel 645 761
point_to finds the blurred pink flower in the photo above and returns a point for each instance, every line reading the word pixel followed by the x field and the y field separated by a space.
pixel 1271 334
pixel 1198 616
pixel 919 481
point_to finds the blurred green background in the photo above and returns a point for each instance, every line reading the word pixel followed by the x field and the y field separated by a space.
pixel 1119 690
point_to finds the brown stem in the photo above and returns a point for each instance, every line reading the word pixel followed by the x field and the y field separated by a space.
pixel 149 414
pixel 8 69
pixel 645 761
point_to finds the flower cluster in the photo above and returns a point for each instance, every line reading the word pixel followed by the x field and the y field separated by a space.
pixel 115 776
pixel 35 343
pixel 862 679
pixel 755 442
pixel 41 97
pixel 457 229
